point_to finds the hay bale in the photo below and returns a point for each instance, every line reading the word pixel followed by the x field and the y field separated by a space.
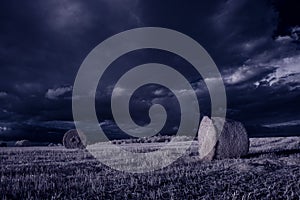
pixel 51 145
pixel 23 143
pixel 207 138
pixel 72 140
pixel 231 142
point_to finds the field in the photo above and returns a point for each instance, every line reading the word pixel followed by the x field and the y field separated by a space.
pixel 270 171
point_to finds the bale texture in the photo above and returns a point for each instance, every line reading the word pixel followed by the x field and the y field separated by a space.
pixel 72 140
pixel 207 138
pixel 230 142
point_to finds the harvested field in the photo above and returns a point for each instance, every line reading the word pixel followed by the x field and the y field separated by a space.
pixel 271 170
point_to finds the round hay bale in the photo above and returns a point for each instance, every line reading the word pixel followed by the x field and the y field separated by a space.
pixel 51 145
pixel 23 143
pixel 72 140
pixel 207 138
pixel 231 142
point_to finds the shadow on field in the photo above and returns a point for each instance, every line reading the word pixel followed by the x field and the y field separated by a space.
pixel 277 153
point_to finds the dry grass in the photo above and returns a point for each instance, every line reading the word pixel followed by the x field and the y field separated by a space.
pixel 268 172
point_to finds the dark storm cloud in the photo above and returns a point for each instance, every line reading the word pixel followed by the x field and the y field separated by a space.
pixel 254 43
pixel 257 65
pixel 231 31
pixel 288 11
pixel 42 44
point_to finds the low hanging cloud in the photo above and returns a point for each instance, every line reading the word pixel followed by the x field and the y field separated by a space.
pixel 276 66
pixel 277 72
pixel 286 73
pixel 58 92
pixel 296 33
pixel 281 124
pixel 3 94
pixel 244 73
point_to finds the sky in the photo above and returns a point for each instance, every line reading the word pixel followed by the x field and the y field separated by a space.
pixel 254 43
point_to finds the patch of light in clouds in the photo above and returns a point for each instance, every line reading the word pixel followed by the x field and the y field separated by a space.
pixel 3 94
pixel 288 123
pixel 56 93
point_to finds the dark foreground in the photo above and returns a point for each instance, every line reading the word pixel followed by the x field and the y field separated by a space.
pixel 270 171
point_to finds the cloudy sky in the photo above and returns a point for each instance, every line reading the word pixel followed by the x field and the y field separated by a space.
pixel 255 44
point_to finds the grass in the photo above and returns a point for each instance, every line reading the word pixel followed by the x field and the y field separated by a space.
pixel 268 172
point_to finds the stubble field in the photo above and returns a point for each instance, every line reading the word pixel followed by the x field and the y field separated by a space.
pixel 270 171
